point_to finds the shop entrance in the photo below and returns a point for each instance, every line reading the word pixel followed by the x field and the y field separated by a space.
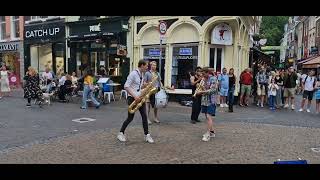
pixel 216 58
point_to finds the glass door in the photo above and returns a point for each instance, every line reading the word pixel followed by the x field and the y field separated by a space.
pixel 216 58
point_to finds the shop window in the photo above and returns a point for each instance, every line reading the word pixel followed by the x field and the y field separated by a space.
pixel 41 57
pixel 15 29
pixel 153 54
pixel 59 58
pixel 2 27
pixel 114 65
pixel 27 18
pixel 184 60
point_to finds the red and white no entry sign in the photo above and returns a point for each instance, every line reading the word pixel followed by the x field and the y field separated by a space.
pixel 162 27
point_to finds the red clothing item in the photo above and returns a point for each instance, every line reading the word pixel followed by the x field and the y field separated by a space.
pixel 246 79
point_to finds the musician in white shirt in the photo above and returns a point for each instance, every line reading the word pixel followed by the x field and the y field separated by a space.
pixel 133 86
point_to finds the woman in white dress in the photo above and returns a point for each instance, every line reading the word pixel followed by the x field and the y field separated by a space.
pixel 4 81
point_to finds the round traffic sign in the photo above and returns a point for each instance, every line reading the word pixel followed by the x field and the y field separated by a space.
pixel 13 79
pixel 162 27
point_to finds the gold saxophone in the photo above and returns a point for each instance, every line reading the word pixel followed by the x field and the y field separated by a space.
pixel 145 94
pixel 200 87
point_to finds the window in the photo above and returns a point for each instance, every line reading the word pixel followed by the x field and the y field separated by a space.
pixel 184 60
pixel 2 27
pixel 27 18
pixel 153 54
pixel 15 30
pixel 36 18
pixel 41 57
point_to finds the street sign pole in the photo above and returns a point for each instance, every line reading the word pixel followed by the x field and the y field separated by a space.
pixel 162 31
pixel 160 58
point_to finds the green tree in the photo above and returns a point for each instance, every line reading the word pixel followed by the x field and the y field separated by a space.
pixel 272 28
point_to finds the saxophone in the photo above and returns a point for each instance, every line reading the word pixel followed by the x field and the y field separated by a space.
pixel 145 94
pixel 200 87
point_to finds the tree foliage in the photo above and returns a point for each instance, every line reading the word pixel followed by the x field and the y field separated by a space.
pixel 272 28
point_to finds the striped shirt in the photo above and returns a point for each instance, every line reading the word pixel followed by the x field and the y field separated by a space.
pixel 209 97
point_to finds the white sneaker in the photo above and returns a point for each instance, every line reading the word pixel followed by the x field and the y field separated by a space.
pixel 149 122
pixel 286 106
pixel 226 105
pixel 292 107
pixel 121 137
pixel 221 105
pixel 148 138
pixel 308 110
pixel 206 137
pixel 300 110
pixel 156 120
pixel 262 105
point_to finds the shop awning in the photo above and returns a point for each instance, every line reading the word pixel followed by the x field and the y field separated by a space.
pixel 307 60
pixel 314 63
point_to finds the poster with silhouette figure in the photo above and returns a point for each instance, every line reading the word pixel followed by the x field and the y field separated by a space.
pixel 221 34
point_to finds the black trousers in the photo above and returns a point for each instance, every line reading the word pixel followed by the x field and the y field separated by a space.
pixel 131 116
pixel 196 108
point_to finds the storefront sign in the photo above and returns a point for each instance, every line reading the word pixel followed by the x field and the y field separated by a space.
pixel 42 32
pixel 222 34
pixel 185 57
pixel 45 32
pixel 154 52
pixel 272 48
pixel 185 51
pixel 105 27
pixel 10 46
pixel 95 28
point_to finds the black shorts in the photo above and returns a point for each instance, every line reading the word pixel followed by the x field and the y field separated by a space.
pixel 308 95
pixel 152 99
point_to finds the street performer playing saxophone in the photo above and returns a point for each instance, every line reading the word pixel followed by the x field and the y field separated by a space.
pixel 133 86
pixel 208 104
pixel 195 79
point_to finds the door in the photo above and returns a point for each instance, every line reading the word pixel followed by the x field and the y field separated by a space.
pixel 216 58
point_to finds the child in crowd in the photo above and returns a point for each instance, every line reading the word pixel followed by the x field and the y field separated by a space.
pixel 272 92
pixel 317 94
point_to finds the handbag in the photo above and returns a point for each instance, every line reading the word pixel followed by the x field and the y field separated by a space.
pixel 161 99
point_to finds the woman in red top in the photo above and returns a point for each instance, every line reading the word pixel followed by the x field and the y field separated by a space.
pixel 246 82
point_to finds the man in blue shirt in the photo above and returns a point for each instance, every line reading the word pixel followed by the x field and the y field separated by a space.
pixel 224 87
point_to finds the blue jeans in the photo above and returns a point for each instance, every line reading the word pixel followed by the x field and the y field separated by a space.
pixel 49 88
pixel 88 92
pixel 231 96
pixel 279 97
pixel 272 100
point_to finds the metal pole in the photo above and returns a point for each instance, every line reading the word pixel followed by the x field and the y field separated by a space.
pixel 160 58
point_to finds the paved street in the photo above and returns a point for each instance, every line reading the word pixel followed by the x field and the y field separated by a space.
pixel 250 135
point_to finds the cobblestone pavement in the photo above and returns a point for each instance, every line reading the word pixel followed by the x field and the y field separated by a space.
pixel 250 135
pixel 177 143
